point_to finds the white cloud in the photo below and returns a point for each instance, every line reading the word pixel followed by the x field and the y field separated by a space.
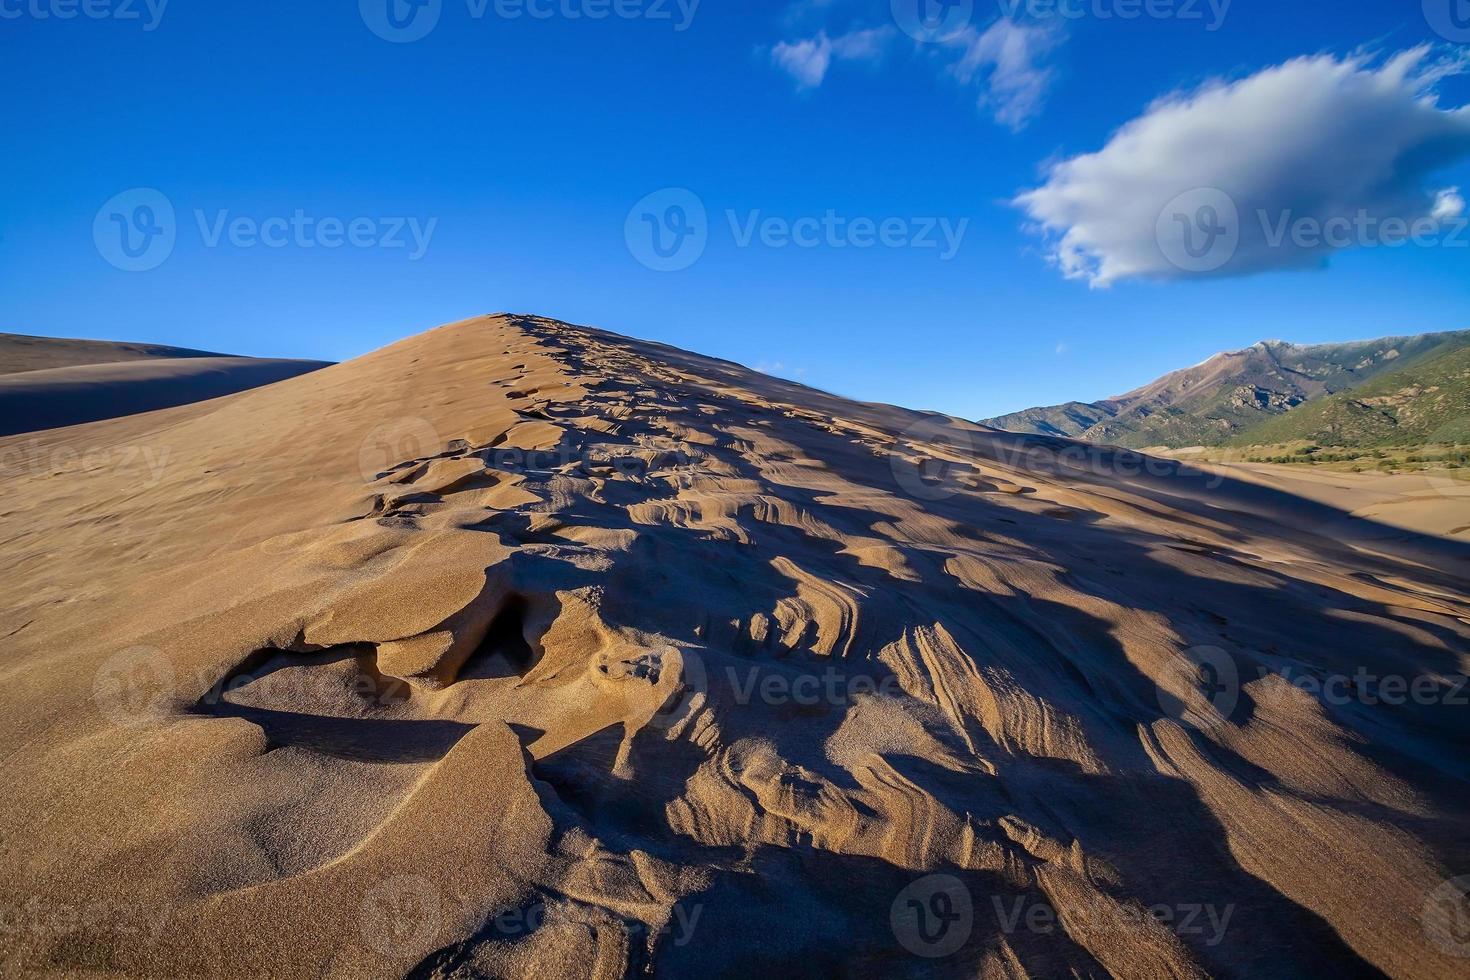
pixel 1316 139
pixel 807 61
pixel 800 11
pixel 1449 204
pixel 780 370
pixel 859 45
pixel 1006 60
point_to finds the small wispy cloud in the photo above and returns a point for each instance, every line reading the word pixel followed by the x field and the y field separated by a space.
pixel 808 60
pixel 1449 204
pixel 780 370
pixel 1006 62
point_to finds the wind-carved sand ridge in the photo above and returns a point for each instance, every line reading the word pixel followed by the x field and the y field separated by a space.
pixel 633 662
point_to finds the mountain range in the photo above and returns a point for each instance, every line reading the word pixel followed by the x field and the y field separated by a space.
pixel 1254 396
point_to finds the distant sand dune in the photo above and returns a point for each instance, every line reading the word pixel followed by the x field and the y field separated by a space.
pixel 55 397
pixel 1437 502
pixel 22 352
pixel 519 649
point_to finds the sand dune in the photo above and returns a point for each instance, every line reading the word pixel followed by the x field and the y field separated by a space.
pixel 60 396
pixel 1431 502
pixel 523 649
pixel 22 352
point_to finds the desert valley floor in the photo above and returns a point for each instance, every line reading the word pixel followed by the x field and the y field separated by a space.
pixel 520 649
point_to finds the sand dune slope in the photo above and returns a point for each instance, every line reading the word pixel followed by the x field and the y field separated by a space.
pixel 520 649
pixel 23 352
pixel 56 397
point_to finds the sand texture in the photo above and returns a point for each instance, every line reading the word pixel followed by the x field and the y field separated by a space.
pixel 519 649
pixel 1434 502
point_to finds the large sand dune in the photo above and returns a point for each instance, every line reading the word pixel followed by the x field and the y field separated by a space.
pixel 522 649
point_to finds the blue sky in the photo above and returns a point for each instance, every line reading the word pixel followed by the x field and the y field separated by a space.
pixel 519 146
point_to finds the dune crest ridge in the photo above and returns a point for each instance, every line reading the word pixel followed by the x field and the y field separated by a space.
pixel 524 649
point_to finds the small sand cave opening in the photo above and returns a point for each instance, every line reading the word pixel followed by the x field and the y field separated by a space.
pixel 332 680
pixel 504 651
